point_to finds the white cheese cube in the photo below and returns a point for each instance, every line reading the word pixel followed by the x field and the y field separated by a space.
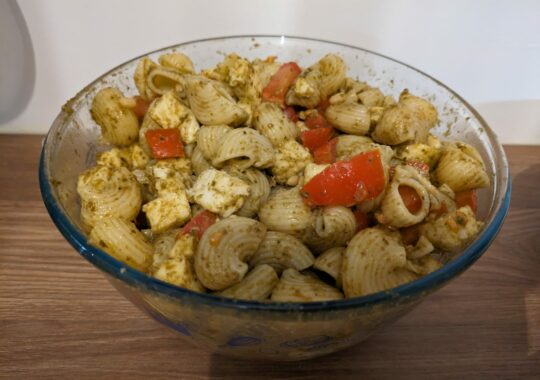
pixel 177 268
pixel 171 209
pixel 219 192
pixel 291 159
pixel 167 111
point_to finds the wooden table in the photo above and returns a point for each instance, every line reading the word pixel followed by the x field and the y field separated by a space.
pixel 60 318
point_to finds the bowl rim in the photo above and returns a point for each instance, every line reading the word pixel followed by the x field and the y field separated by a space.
pixel 414 289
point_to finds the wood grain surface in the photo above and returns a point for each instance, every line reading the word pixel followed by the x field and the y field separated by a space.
pixel 60 318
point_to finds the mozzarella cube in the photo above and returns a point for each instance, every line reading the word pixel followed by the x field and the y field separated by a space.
pixel 303 88
pixel 173 185
pixel 139 158
pixel 178 269
pixel 114 158
pixel 171 209
pixel 219 192
pixel 167 111
pixel 189 127
pixel 291 159
pixel 173 167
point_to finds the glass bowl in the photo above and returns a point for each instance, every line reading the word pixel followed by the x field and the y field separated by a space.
pixel 257 330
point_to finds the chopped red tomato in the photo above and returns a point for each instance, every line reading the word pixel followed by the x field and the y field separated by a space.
pixel 165 143
pixel 323 105
pixel 199 224
pixel 315 138
pixel 362 220
pixel 346 183
pixel 410 235
pixel 467 198
pixel 291 114
pixel 316 120
pixel 411 199
pixel 141 107
pixel 326 153
pixel 280 82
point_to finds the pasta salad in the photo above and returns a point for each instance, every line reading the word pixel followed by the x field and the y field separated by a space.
pixel 261 180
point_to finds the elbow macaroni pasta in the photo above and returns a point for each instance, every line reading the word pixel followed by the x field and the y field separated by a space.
pixel 222 209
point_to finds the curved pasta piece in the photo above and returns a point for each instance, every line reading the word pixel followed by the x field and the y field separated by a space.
pixel 270 120
pixel 285 211
pixel 259 190
pixel 333 226
pixel 350 145
pixel 141 74
pixel 452 231
pixel 122 240
pixel 393 209
pixel 461 168
pixel 177 61
pixel 330 262
pixel 244 148
pixel 161 246
pixel 282 251
pixel 317 82
pixel 198 161
pixel 296 287
pixel 371 97
pixel 422 248
pixel 210 138
pixel 256 286
pixel 211 103
pixel 374 260
pixel 349 117
pixel 161 80
pixel 224 249
pixel 423 265
pixel 410 120
pixel 119 125
pixel 442 197
pixel 107 192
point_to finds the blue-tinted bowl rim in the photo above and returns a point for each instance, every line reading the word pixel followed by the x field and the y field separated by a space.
pixel 413 289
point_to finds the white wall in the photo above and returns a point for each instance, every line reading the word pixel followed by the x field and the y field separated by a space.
pixel 487 51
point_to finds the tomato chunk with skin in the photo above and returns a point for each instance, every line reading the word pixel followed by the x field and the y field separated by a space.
pixel 280 82
pixel 291 114
pixel 467 198
pixel 198 224
pixel 315 138
pixel 411 199
pixel 165 143
pixel 323 105
pixel 326 153
pixel 346 183
pixel 141 107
